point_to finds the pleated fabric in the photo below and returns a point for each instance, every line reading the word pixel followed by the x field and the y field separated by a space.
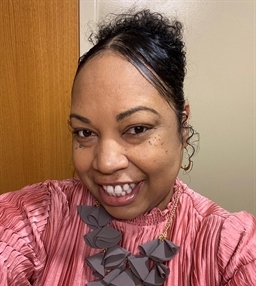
pixel 41 238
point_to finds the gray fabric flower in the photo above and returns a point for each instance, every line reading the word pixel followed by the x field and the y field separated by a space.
pixel 159 250
pixel 95 262
pixel 115 266
pixel 112 275
pixel 114 257
pixel 157 275
pixel 125 278
pixel 139 266
pixel 94 217
pixel 104 237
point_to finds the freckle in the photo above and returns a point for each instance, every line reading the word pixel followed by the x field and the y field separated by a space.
pixel 166 151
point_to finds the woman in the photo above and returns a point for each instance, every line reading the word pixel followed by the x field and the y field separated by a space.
pixel 127 220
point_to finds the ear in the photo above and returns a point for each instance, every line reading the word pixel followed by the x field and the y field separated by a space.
pixel 185 123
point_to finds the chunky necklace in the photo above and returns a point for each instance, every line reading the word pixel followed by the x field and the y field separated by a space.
pixel 115 265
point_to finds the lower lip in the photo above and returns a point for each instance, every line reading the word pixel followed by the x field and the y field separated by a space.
pixel 122 200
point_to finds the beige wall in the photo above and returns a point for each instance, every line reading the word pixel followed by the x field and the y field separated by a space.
pixel 220 86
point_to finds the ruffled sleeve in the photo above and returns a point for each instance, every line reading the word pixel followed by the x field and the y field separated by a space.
pixel 237 251
pixel 23 217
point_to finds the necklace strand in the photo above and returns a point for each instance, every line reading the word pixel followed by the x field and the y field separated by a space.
pixel 172 213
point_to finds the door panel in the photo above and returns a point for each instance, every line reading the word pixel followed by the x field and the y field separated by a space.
pixel 39 51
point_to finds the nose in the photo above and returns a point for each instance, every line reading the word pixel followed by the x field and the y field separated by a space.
pixel 110 157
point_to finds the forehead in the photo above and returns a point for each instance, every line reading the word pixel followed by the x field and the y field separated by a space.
pixel 108 69
pixel 109 79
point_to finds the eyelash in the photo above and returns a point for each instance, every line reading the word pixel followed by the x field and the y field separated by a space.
pixel 140 129
pixel 77 131
pixel 144 128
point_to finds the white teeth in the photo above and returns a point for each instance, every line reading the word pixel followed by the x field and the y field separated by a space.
pixel 129 191
pixel 126 187
pixel 110 190
pixel 119 190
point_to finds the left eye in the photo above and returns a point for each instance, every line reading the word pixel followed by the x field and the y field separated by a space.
pixel 137 130
pixel 84 133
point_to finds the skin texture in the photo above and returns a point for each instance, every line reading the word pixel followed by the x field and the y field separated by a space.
pixel 124 132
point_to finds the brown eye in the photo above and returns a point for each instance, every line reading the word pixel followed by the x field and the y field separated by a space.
pixel 137 129
pixel 85 137
pixel 84 133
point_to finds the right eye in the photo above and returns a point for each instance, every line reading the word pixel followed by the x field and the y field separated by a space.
pixel 84 137
pixel 83 133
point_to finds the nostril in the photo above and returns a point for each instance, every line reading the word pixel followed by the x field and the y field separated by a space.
pixel 109 159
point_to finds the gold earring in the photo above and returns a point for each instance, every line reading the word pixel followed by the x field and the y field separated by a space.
pixel 186 168
pixel 190 162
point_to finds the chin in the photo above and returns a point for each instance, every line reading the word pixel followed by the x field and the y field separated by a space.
pixel 121 213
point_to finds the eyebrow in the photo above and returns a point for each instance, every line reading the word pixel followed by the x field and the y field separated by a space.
pixel 131 111
pixel 81 118
pixel 120 116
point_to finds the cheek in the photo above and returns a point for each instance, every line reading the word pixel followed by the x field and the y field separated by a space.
pixel 162 151
pixel 81 159
pixel 147 152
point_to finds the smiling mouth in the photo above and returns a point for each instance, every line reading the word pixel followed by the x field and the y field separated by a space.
pixel 119 190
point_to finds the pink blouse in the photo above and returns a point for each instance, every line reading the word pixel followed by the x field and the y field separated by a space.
pixel 41 238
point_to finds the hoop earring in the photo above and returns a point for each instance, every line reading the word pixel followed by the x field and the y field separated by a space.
pixel 186 168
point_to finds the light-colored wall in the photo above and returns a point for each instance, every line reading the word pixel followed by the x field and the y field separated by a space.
pixel 220 87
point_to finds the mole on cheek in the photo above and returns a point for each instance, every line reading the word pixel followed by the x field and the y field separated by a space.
pixel 79 147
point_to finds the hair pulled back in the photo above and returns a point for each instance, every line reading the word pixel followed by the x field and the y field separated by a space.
pixel 154 45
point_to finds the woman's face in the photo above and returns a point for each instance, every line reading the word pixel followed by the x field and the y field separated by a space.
pixel 126 145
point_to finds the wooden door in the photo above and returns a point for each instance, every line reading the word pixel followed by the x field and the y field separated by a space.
pixel 39 51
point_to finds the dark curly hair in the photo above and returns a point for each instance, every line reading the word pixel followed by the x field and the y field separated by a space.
pixel 154 45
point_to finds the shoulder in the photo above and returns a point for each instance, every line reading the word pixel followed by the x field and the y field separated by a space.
pixel 28 223
pixel 235 224
pixel 35 202
pixel 237 249
pixel 43 193
pixel 233 234
pixel 200 205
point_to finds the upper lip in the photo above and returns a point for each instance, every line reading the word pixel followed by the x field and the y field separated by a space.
pixel 116 183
